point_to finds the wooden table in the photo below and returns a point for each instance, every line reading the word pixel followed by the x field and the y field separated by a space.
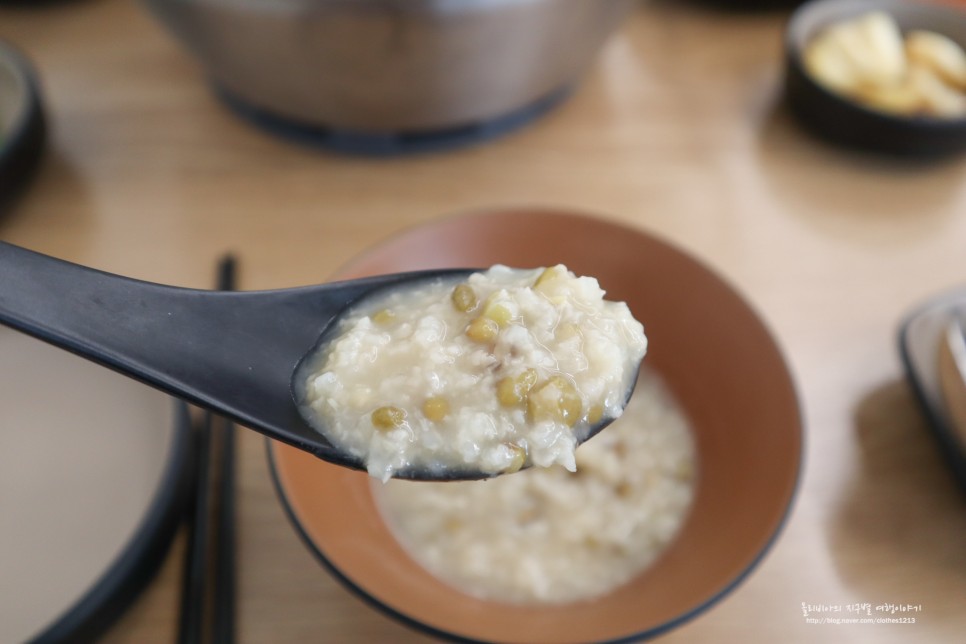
pixel 676 130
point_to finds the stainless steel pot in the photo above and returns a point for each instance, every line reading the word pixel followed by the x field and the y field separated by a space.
pixel 392 65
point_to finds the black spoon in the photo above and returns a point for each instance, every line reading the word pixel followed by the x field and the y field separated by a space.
pixel 233 353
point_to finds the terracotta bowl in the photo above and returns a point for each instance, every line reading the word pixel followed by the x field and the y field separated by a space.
pixel 715 355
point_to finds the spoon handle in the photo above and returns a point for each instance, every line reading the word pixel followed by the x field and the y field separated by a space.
pixel 230 352
pixel 104 317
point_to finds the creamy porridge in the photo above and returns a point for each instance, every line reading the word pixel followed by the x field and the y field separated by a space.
pixel 550 535
pixel 502 370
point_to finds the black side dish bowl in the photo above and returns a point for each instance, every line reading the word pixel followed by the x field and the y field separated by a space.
pixel 842 121
pixel 22 124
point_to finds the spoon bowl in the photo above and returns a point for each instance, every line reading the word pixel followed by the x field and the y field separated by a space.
pixel 234 353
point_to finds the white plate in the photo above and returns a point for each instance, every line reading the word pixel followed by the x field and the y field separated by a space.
pixel 83 453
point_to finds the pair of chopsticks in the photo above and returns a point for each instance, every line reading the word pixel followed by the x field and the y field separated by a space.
pixel 207 612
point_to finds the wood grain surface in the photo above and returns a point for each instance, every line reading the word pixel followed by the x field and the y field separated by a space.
pixel 678 130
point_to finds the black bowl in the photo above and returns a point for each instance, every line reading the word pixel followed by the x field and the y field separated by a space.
pixel 22 124
pixel 921 333
pixel 843 121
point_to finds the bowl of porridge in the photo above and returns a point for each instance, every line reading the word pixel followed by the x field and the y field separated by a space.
pixel 663 512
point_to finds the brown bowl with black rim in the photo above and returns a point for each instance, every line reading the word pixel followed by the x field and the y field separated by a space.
pixel 714 354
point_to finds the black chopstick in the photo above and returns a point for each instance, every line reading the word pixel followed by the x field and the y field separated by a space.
pixel 223 609
pixel 209 565
pixel 192 617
